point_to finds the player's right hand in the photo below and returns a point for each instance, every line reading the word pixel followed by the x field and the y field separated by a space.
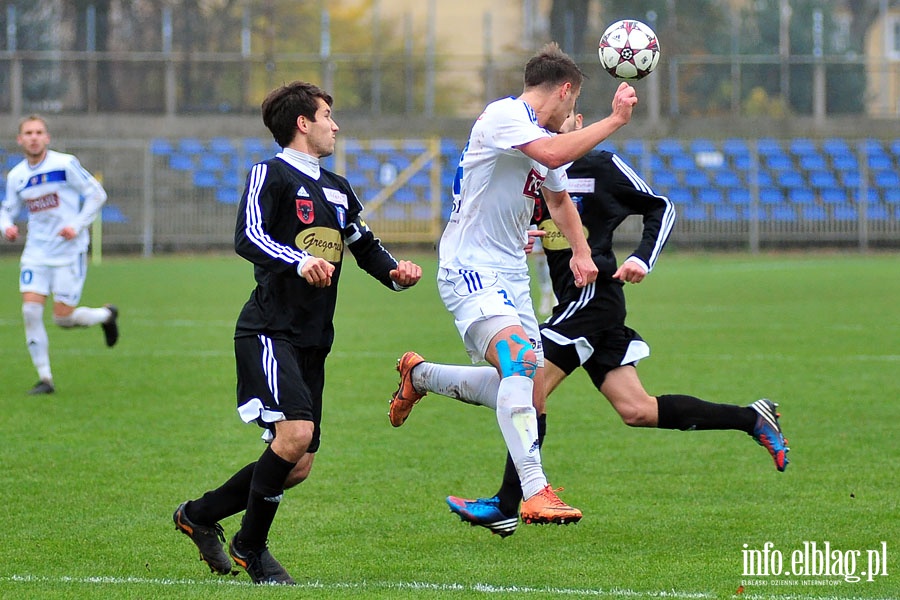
pixel 11 233
pixel 624 101
pixel 533 234
pixel 317 272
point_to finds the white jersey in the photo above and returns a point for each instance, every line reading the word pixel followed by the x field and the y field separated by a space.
pixel 52 191
pixel 494 191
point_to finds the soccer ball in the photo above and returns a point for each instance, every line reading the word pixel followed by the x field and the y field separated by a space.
pixel 629 50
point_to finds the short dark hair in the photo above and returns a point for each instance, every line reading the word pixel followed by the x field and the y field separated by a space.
pixel 552 66
pixel 283 105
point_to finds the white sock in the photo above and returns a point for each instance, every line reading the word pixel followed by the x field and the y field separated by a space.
pixel 84 317
pixel 518 423
pixel 467 383
pixel 36 339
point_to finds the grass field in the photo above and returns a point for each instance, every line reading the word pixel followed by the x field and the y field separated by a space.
pixel 89 477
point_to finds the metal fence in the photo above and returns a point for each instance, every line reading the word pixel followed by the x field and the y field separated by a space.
pixel 170 195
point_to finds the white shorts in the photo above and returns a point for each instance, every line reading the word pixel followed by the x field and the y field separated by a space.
pixel 485 302
pixel 65 282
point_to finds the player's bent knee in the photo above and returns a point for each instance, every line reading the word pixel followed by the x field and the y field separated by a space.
pixel 66 321
pixel 520 361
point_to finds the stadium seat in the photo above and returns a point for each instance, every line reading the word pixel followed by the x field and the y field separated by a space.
pixel 664 179
pixel 181 162
pixel 769 147
pixel 682 162
pixel 406 195
pixel 110 213
pixel 833 195
pixel 693 212
pixel 886 179
pixel 696 178
pixel 205 179
pixel 161 147
pixel 738 196
pixel 633 149
pixel 891 195
pixel 725 212
pixel 726 178
pixel 803 147
pixel 228 195
pixel 191 146
pixel 880 162
pixel 822 179
pixel 735 147
pixel 850 179
pixel 680 196
pixel 845 212
pixel 669 147
pixel 221 145
pixel 877 212
pixel 702 145
pixel 782 212
pixel 813 162
pixel 790 179
pixel 710 195
pixel 771 195
pixel 845 162
pixel 836 147
pixel 211 162
pixel 814 213
pixel 778 162
pixel 801 195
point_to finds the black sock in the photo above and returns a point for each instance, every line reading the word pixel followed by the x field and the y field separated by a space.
pixel 689 413
pixel 510 492
pixel 228 499
pixel 266 490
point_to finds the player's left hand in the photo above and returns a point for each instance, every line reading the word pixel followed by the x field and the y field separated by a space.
pixel 406 274
pixel 533 234
pixel 68 233
pixel 631 272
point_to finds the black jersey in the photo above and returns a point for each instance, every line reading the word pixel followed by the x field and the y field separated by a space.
pixel 606 191
pixel 286 215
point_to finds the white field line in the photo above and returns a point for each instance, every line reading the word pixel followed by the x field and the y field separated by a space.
pixel 481 588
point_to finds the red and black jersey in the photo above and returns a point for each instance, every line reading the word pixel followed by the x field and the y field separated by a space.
pixel 287 214
pixel 606 191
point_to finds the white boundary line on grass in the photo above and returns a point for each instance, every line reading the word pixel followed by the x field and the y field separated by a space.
pixel 483 588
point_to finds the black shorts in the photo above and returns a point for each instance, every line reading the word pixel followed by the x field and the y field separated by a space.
pixel 277 381
pixel 572 343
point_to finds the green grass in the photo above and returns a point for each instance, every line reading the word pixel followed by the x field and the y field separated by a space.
pixel 89 477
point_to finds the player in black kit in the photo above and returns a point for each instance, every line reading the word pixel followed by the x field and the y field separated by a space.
pixel 587 329
pixel 294 220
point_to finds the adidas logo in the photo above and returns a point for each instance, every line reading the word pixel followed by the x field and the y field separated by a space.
pixel 302 193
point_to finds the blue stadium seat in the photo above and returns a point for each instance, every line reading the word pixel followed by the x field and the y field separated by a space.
pixel 814 213
pixel 702 145
pixel 726 178
pixel 769 146
pixel 833 195
pixel 696 178
pixel 682 162
pixel 877 212
pixel 822 179
pixel 181 162
pixel 221 145
pixel 227 194
pixel 782 212
pixel 790 179
pixel 771 195
pixel 211 162
pixel 735 147
pixel 778 162
pixel 205 179
pixel 191 146
pixel 231 179
pixel 886 179
pixel 633 149
pixel 845 212
pixel 110 213
pixel 680 196
pixel 664 179
pixel 367 162
pixel 738 196
pixel 725 212
pixel 845 162
pixel 835 147
pixel 161 147
pixel 891 195
pixel 693 212
pixel 813 162
pixel 801 195
pixel 850 179
pixel 710 195
pixel 406 195
pixel 803 147
pixel 880 162
pixel 669 147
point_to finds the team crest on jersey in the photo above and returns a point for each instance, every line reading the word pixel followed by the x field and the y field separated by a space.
pixel 533 184
pixel 305 211
pixel 341 214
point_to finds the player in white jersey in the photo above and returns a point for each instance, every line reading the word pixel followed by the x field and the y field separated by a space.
pixel 512 154
pixel 62 200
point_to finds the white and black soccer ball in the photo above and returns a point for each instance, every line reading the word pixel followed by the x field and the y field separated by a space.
pixel 629 50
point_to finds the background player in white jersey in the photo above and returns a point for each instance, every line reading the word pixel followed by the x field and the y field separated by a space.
pixel 512 154
pixel 51 185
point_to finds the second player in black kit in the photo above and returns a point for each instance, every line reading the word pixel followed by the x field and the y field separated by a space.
pixel 294 221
